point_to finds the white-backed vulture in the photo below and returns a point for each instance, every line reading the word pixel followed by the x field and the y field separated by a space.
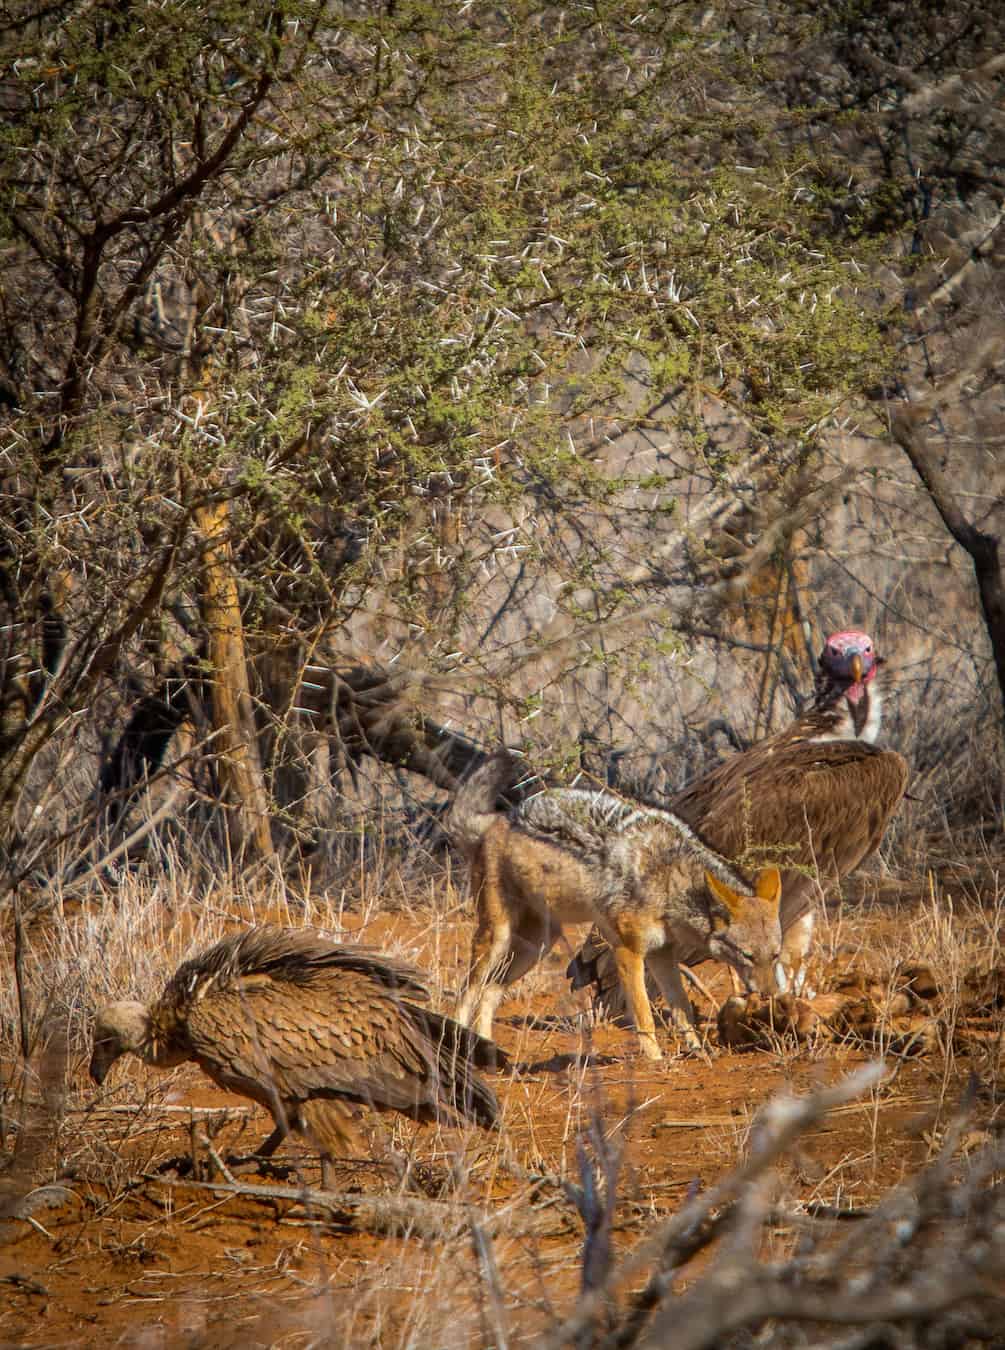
pixel 307 1028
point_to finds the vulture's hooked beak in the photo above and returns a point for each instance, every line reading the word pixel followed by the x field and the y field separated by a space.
pixel 100 1064
pixel 856 668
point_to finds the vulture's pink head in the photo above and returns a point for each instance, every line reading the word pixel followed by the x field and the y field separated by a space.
pixel 849 661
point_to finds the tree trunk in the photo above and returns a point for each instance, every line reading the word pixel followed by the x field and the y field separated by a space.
pixel 235 745
pixel 983 548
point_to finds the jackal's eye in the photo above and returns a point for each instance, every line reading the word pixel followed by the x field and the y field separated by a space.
pixel 747 956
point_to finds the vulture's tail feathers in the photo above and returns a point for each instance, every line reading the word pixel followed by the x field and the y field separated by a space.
pixel 458 1051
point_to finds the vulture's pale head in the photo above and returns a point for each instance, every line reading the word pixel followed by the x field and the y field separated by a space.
pixel 119 1029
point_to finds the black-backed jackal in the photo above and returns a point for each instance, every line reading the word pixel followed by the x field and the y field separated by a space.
pixel 659 895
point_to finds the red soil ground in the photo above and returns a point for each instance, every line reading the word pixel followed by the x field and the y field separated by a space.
pixel 126 1260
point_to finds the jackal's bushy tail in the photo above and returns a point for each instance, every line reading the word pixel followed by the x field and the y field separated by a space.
pixel 475 803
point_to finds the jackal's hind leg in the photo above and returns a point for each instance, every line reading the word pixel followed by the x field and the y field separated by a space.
pixel 502 952
pixel 531 937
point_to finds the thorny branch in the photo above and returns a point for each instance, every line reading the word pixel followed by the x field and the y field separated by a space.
pixel 392 1214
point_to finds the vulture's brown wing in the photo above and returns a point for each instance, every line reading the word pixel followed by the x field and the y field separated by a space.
pixel 593 967
pixel 337 1035
pixel 820 806
pixel 458 1049
pixel 295 956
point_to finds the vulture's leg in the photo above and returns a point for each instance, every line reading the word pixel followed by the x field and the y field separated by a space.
pixel 795 948
pixel 249 1162
pixel 329 1124
pixel 268 1147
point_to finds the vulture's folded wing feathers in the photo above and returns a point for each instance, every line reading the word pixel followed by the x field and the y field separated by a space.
pixel 337 1033
pixel 293 956
pixel 829 801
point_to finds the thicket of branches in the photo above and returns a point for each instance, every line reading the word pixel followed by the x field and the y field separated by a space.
pixel 921 1268
pixel 366 370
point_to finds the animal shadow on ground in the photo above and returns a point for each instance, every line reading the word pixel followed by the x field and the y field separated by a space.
pixel 240 1164
pixel 556 1063
pixel 541 1022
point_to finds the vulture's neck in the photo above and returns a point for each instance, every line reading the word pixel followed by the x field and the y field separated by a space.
pixel 162 1045
pixel 835 716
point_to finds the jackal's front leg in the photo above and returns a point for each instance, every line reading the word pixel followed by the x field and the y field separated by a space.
pixel 490 946
pixel 666 969
pixel 483 989
pixel 632 970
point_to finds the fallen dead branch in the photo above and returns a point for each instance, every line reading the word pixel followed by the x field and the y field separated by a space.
pixel 225 1114
pixel 25 1285
pixel 388 1215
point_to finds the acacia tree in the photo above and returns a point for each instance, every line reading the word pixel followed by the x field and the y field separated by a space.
pixel 390 294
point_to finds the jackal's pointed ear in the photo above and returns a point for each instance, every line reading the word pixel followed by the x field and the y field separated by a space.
pixel 769 885
pixel 725 895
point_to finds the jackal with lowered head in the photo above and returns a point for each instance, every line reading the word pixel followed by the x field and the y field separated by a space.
pixel 658 893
